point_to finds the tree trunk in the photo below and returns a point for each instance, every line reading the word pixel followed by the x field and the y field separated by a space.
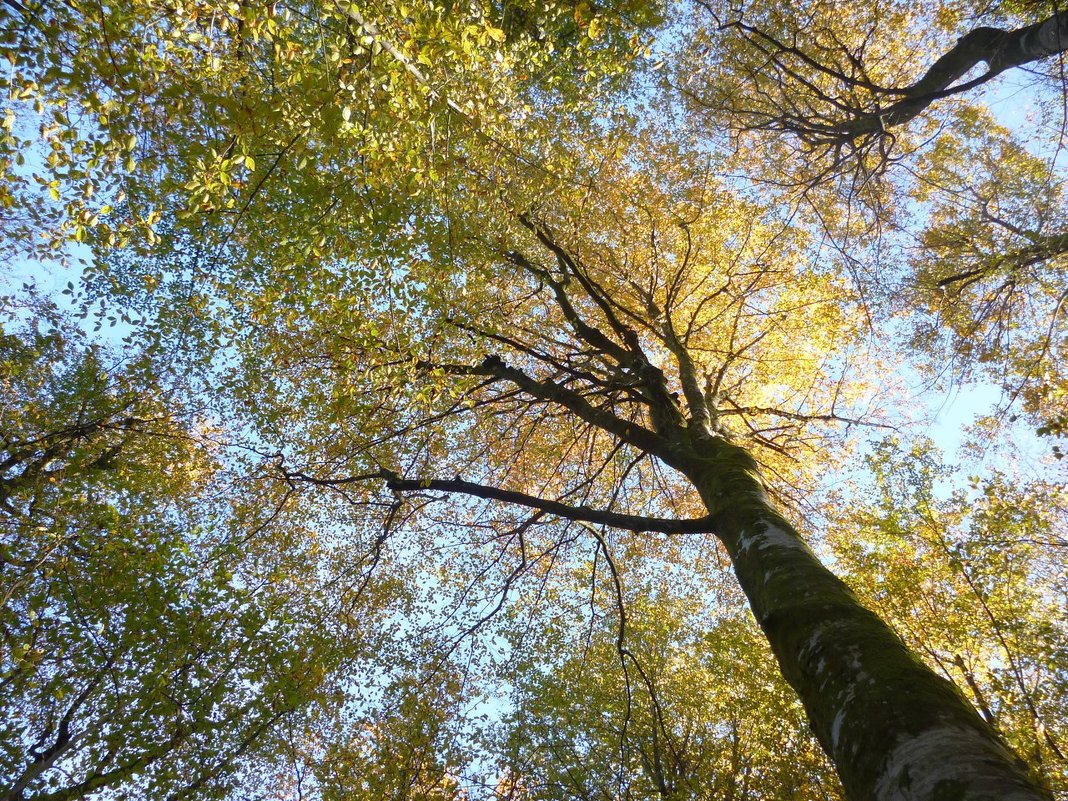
pixel 894 729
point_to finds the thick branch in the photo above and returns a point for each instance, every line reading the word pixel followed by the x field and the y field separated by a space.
pixel 1000 50
pixel 840 125
pixel 571 266
pixel 627 351
pixel 632 433
pixel 64 741
pixel 802 417
pixel 583 330
pixel 585 514
pixel 1009 263
pixel 578 513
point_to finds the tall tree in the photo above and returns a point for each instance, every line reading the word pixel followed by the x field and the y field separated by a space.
pixel 473 274
pixel 634 327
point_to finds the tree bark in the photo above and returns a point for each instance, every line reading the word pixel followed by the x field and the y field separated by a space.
pixel 894 729
pixel 998 49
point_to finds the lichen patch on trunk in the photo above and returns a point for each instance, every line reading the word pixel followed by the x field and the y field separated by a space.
pixel 895 729
pixel 931 766
pixel 772 537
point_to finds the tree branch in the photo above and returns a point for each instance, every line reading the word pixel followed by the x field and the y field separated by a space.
pixel 632 433
pixel 845 124
pixel 581 513
pixel 586 514
pixel 999 49
pixel 700 422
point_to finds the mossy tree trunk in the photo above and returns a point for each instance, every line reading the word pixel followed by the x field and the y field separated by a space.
pixel 894 729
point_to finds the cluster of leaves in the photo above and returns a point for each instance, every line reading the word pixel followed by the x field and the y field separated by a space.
pixel 683 702
pixel 151 644
pixel 992 263
pixel 322 105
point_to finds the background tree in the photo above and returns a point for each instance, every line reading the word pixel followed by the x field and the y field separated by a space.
pixel 906 172
pixel 992 262
pixel 830 77
pixel 971 581
pixel 681 700
pixel 157 632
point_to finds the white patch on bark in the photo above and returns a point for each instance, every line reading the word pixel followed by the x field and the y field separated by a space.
pixel 772 537
pixel 854 661
pixel 918 764
pixel 813 642
pixel 848 696
pixel 839 719
pixel 812 646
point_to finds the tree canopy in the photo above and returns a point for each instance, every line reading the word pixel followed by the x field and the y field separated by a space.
pixel 512 400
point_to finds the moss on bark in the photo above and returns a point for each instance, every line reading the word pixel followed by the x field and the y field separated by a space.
pixel 893 727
